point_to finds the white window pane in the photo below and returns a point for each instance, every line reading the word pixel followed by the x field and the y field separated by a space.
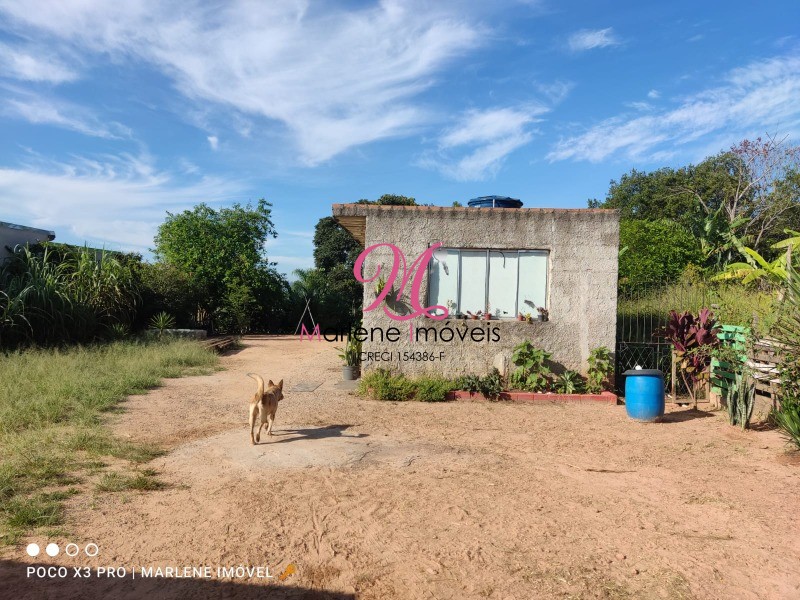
pixel 443 278
pixel 473 281
pixel 532 281
pixel 503 283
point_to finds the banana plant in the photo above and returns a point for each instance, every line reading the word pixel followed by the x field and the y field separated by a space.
pixel 757 267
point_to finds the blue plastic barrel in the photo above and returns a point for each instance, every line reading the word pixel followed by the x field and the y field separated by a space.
pixel 644 394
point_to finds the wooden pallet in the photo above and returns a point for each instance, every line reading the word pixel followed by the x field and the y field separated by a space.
pixel 221 344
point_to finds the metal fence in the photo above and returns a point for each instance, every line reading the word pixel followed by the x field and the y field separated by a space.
pixel 642 314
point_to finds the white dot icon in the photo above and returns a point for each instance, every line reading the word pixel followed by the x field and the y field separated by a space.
pixel 32 549
pixel 52 549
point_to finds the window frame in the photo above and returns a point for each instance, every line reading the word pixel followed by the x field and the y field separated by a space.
pixel 488 251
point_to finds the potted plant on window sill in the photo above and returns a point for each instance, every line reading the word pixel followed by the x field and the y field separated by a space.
pixel 351 355
pixel 544 314
pixel 487 316
pixel 521 317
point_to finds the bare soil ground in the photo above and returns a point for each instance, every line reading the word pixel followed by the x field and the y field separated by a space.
pixel 454 501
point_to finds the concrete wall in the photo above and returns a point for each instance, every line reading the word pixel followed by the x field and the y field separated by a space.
pixel 11 236
pixel 582 275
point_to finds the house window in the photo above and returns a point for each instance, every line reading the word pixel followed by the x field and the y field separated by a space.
pixel 507 281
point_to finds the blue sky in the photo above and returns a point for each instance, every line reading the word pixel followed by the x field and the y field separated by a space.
pixel 112 115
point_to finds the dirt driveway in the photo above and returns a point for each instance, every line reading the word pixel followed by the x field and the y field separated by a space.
pixel 360 499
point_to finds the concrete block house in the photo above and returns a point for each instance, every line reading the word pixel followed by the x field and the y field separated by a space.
pixel 509 260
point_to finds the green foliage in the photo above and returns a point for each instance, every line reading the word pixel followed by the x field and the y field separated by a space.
pixel 162 321
pixel 391 200
pixel 50 296
pixel 531 372
pixel 51 408
pixel 757 268
pixel 652 196
pixel 432 389
pixel 787 331
pixel 381 384
pixel 221 252
pixel 601 365
pixel 569 382
pixel 351 353
pixel 740 399
pixel 336 295
pixel 787 419
pixel 733 304
pixel 656 251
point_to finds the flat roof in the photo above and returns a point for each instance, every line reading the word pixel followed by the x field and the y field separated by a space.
pixel 353 216
pixel 50 234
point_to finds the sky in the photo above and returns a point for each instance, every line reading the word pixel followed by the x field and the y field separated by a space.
pixel 114 113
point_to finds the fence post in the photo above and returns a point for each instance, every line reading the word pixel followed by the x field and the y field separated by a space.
pixel 674 375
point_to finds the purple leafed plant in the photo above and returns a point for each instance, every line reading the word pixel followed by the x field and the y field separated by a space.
pixel 693 338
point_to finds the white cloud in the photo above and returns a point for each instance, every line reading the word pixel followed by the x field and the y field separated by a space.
pixel 654 94
pixel 213 141
pixel 588 39
pixel 334 78
pixel 476 146
pixel 26 65
pixel 40 110
pixel 117 201
pixel 761 96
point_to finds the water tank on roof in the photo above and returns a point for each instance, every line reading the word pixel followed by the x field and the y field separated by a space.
pixel 495 202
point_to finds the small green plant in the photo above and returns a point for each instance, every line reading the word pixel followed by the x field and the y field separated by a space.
pixel 787 419
pixel 381 384
pixel 432 389
pixel 531 372
pixel 601 366
pixel 162 321
pixel 118 331
pixel 490 385
pixel 740 399
pixel 569 382
pixel 351 353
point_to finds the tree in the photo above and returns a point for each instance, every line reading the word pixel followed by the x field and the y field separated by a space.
pixel 222 253
pixel 336 296
pixel 755 185
pixel 655 251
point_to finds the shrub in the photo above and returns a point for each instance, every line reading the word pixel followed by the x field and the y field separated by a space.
pixel 694 338
pixel 600 368
pixel 432 389
pixel 381 384
pixel 489 385
pixel 531 372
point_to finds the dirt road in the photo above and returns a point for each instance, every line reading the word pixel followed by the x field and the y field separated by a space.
pixel 360 499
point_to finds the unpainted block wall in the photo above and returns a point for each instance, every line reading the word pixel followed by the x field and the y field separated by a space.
pixel 582 274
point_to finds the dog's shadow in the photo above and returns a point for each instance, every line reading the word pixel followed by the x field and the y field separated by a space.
pixel 311 433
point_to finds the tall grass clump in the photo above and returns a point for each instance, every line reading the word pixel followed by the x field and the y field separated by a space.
pixel 74 295
pixel 51 405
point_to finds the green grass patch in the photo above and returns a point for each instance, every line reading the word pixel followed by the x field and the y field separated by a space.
pixel 142 481
pixel 51 406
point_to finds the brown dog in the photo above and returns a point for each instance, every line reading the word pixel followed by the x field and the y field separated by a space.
pixel 264 405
